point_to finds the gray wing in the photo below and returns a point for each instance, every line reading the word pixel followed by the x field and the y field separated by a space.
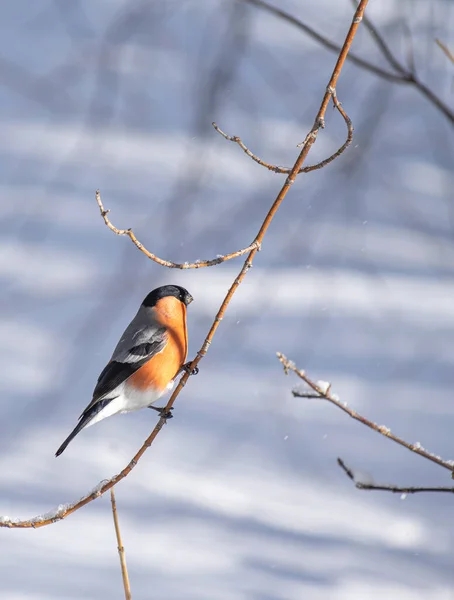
pixel 142 339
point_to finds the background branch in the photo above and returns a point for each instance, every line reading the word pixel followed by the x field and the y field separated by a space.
pixel 306 146
pixel 324 41
pixel 445 49
pixel 395 489
pixel 403 74
pixel 121 550
pixel 384 48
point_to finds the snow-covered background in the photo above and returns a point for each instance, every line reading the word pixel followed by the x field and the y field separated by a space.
pixel 240 498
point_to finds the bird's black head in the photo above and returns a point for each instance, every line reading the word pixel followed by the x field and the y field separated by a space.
pixel 168 290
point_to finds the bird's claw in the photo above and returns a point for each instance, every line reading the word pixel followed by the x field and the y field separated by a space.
pixel 163 413
pixel 188 370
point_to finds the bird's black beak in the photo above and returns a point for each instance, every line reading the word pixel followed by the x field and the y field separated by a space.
pixel 188 299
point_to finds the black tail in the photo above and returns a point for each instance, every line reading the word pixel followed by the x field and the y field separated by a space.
pixel 84 420
pixel 91 411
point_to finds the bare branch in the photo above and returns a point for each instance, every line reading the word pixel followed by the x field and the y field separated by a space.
pixel 325 394
pixel 237 140
pixel 410 48
pixel 395 489
pixel 383 46
pixel 445 49
pixel 319 120
pixel 309 168
pixel 324 41
pixel 403 75
pixel 121 550
pixel 167 263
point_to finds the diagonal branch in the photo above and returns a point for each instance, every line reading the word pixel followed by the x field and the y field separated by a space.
pixel 383 46
pixel 324 392
pixel 395 489
pixel 445 49
pixel 324 41
pixel 403 75
pixel 104 486
pixel 167 263
pixel 407 75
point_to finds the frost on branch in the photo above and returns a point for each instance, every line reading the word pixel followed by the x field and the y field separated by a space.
pixel 59 512
pixel 323 386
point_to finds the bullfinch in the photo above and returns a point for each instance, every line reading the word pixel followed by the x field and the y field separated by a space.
pixel 150 354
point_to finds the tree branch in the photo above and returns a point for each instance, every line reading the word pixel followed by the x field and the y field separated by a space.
pixel 383 47
pixel 323 390
pixel 66 510
pixel 395 489
pixel 403 75
pixel 309 168
pixel 167 263
pixel 324 41
pixel 121 550
pixel 445 49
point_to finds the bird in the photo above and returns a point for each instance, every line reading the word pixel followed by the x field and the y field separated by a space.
pixel 151 352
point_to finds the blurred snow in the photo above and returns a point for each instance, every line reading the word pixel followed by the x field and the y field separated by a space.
pixel 240 497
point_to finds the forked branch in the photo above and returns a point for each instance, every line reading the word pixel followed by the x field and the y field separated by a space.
pixel 394 489
pixel 322 391
pixel 401 75
pixel 309 168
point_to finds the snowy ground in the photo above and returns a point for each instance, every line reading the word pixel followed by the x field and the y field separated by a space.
pixel 240 497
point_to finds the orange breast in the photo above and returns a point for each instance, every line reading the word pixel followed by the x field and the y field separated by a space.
pixel 159 371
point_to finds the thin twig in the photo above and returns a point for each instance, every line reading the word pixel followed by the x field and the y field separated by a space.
pixel 383 46
pixel 407 75
pixel 303 394
pixel 395 489
pixel 324 41
pixel 445 49
pixel 309 168
pixel 410 48
pixel 121 550
pixel 318 123
pixel 326 394
pixel 402 76
pixel 167 263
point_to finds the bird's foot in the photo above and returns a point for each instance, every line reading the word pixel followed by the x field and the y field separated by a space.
pixel 163 413
pixel 188 370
